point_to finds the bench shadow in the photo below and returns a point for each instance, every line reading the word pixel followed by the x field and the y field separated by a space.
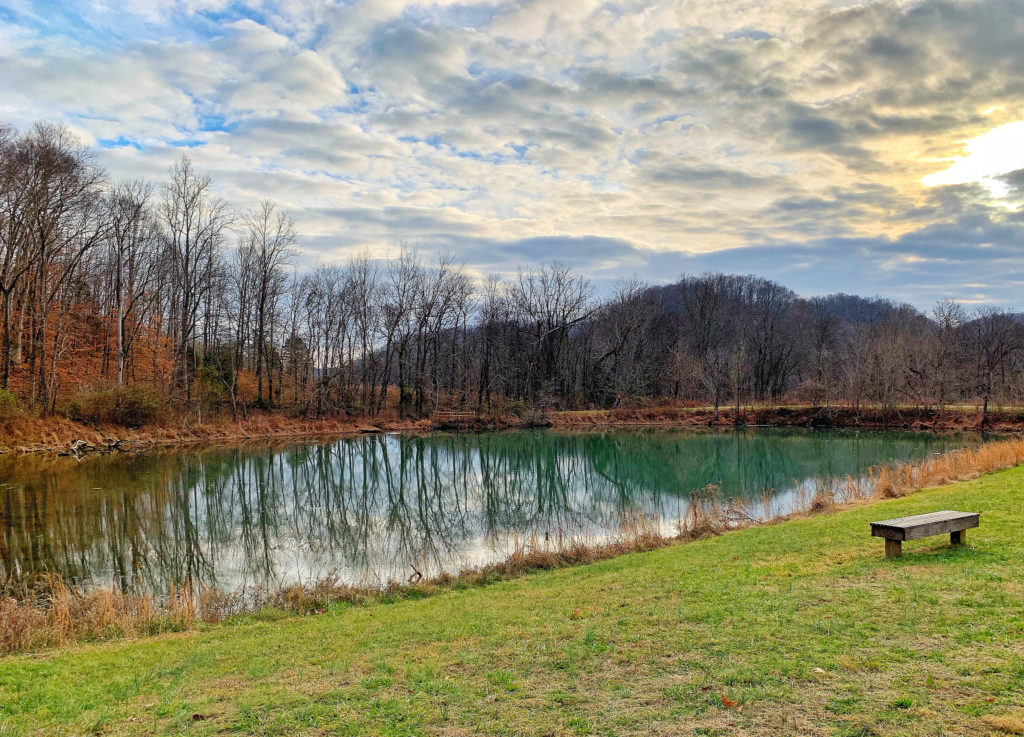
pixel 944 552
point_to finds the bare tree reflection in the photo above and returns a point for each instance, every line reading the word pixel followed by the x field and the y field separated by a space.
pixel 373 508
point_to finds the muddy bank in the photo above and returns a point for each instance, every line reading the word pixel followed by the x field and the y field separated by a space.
pixel 61 435
pixel 906 418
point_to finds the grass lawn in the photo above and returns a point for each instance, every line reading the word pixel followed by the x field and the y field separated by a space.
pixel 800 628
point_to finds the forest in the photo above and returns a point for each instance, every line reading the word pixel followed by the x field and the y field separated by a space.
pixel 127 301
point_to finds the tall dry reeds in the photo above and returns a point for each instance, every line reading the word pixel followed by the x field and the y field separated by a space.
pixel 52 614
pixel 707 514
pixel 890 482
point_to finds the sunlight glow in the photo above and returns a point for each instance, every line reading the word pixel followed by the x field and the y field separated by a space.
pixel 997 152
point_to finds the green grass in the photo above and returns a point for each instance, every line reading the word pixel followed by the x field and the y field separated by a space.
pixel 804 626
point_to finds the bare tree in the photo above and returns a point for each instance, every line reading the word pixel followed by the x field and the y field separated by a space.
pixel 196 222
pixel 995 338
pixel 946 366
pixel 363 285
pixel 399 293
pixel 709 306
pixel 63 222
pixel 264 256
pixel 134 245
pixel 494 317
pixel 15 248
pixel 548 303
pixel 620 340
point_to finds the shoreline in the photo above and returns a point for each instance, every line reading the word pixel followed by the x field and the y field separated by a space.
pixel 58 435
pixel 960 419
pixel 56 616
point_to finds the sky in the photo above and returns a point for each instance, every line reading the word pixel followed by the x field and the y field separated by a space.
pixel 874 148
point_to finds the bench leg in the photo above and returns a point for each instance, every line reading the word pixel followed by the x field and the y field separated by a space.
pixel 893 548
pixel 958 537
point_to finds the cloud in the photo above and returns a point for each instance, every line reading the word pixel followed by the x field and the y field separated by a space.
pixel 700 177
pixel 790 139
pixel 1014 180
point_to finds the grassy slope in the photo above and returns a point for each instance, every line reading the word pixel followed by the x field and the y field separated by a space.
pixel 805 625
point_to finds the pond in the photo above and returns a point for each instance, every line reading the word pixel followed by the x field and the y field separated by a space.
pixel 368 509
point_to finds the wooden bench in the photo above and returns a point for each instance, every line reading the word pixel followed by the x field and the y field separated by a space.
pixel 454 415
pixel 895 531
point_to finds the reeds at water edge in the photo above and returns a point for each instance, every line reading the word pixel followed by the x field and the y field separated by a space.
pixel 49 613
pixel 890 482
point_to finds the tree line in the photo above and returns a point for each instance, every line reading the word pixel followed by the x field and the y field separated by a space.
pixel 108 286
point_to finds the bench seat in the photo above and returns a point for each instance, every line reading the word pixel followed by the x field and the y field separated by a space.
pixel 896 530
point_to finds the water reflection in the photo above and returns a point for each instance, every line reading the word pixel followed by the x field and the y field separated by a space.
pixel 370 508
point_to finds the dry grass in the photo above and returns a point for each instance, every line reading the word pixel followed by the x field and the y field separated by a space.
pixel 24 433
pixel 682 414
pixel 55 434
pixel 707 515
pixel 51 614
pixel 890 482
pixel 663 414
pixel 824 499
pixel 1006 724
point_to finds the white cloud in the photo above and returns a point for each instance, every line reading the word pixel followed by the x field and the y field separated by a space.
pixel 678 127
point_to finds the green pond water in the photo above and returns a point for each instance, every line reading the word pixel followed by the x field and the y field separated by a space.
pixel 369 509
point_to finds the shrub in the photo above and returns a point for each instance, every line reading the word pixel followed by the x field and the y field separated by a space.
pixel 133 407
pixel 8 405
pixel 513 408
